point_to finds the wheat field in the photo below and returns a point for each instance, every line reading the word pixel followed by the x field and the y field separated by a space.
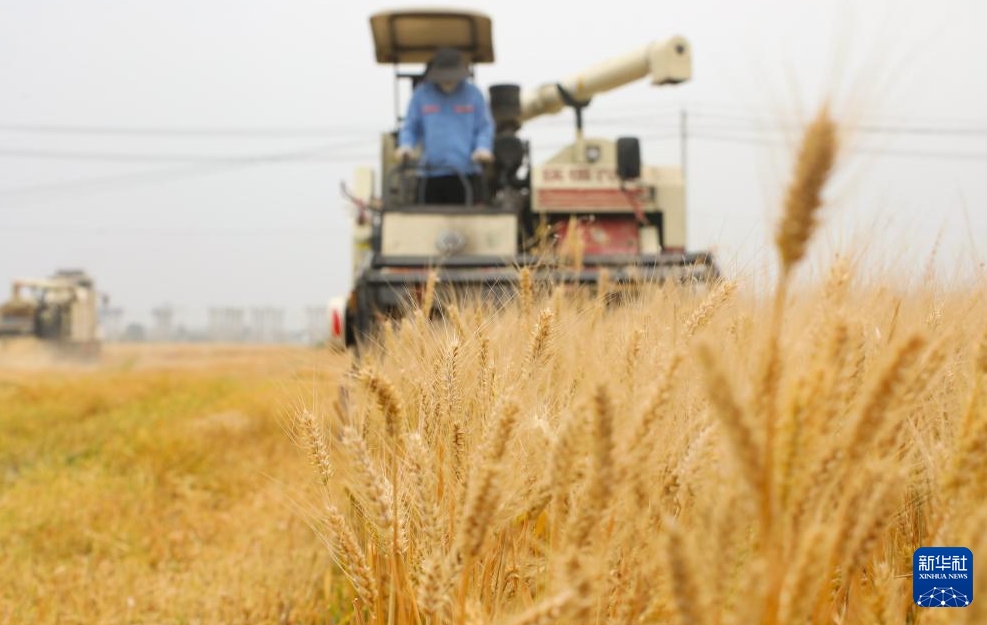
pixel 657 464
pixel 692 455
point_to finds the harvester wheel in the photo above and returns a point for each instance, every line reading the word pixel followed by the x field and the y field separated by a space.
pixel 361 327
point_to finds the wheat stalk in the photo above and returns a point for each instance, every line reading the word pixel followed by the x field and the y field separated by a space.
pixel 685 582
pixel 601 478
pixel 428 296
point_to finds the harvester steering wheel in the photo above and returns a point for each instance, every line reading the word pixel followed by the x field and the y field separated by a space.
pixel 406 165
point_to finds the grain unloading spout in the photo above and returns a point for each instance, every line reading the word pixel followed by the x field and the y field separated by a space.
pixel 667 62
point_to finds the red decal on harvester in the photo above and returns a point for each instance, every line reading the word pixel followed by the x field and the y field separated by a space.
pixel 337 324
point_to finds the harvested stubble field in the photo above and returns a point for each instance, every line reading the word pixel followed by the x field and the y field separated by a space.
pixel 688 457
pixel 157 487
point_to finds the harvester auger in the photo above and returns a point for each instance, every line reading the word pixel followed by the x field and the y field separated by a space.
pixel 591 212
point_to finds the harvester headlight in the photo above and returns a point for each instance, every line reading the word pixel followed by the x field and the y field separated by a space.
pixel 450 242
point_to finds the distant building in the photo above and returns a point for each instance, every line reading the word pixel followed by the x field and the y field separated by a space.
pixel 163 318
pixel 267 325
pixel 134 332
pixel 111 323
pixel 316 324
pixel 226 325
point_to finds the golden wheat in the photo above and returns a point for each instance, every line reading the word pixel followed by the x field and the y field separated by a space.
pixel 719 459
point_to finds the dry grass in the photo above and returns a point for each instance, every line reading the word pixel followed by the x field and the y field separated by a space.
pixel 152 489
pixel 688 457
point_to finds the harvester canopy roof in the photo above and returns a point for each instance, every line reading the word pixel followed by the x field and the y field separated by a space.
pixel 413 35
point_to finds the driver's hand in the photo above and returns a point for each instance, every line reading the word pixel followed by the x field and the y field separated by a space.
pixel 481 155
pixel 403 154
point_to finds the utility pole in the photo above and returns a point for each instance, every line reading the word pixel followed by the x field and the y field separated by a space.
pixel 683 140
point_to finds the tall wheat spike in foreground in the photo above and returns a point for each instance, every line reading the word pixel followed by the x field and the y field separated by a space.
pixel 816 157
pixel 689 459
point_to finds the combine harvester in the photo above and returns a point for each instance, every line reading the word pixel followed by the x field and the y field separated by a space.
pixel 592 213
pixel 54 317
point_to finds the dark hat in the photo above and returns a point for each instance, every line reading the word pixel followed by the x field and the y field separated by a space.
pixel 446 66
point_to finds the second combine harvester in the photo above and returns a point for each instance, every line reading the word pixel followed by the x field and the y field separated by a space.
pixel 592 209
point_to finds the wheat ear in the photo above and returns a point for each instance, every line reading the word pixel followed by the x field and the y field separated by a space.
pixel 549 611
pixel 387 398
pixel 538 344
pixel 372 483
pixel 816 157
pixel 483 493
pixel 356 562
pixel 318 448
pixel 704 312
pixel 527 290
pixel 731 416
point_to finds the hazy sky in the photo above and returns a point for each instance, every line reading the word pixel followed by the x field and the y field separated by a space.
pixel 124 125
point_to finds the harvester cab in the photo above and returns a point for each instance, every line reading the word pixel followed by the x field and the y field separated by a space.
pixel 592 209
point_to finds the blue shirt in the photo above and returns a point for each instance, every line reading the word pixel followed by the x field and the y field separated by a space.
pixel 450 126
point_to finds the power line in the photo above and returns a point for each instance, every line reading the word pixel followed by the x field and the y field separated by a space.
pixel 204 131
pixel 118 181
pixel 272 231
pixel 917 130
pixel 206 165
pixel 756 114
pixel 123 181
pixel 144 157
pixel 871 128
pixel 198 132
pixel 614 115
pixel 138 157
pixel 928 154
pixel 81 155
pixel 955 156
pixel 173 173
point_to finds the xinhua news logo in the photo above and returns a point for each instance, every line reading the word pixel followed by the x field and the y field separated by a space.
pixel 942 577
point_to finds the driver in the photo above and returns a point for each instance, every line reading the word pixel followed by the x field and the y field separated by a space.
pixel 449 116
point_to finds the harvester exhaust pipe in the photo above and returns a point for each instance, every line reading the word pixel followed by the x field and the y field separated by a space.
pixel 667 62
